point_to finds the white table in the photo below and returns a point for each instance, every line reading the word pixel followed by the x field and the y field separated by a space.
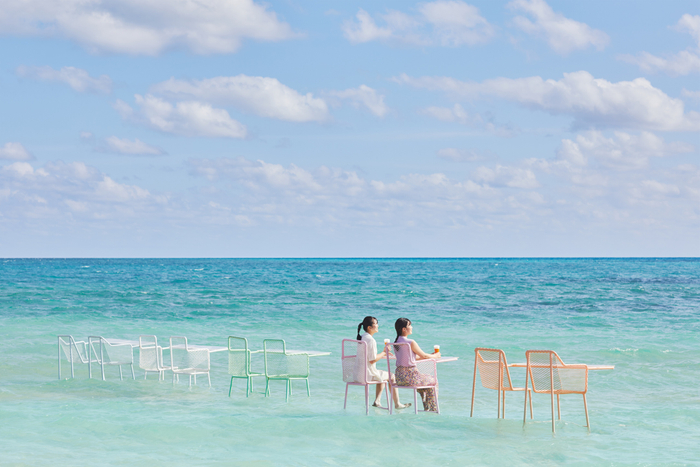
pixel 590 367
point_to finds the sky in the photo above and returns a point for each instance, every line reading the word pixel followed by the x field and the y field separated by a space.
pixel 237 128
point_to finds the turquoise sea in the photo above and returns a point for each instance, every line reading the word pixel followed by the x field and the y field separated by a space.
pixel 641 315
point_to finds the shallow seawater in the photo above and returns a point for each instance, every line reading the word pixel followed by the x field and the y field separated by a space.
pixel 641 315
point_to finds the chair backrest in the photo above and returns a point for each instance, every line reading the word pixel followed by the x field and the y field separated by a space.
pixel 426 367
pixel 354 361
pixel 238 356
pixel 149 353
pixel 74 351
pixel 116 354
pixel 547 371
pixel 493 368
pixel 280 364
pixel 182 357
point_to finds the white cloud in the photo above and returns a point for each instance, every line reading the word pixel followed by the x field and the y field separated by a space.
pixel 682 63
pixel 442 22
pixel 563 35
pixel 366 97
pixel 126 146
pixel 145 28
pixel 60 190
pixel 459 155
pixel 590 101
pixel 189 118
pixel 691 94
pixel 513 177
pixel 76 78
pixel 15 152
pixel 262 96
pixel 459 115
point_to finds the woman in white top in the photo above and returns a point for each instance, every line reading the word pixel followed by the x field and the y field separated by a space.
pixel 371 326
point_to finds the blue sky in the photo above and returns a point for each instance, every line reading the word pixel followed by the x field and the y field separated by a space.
pixel 328 129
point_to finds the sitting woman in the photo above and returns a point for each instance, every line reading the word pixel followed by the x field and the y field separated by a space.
pixel 371 326
pixel 406 372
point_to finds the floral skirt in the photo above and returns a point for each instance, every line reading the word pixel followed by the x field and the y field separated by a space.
pixel 410 376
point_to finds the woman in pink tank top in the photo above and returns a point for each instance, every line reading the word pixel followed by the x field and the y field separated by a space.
pixel 406 372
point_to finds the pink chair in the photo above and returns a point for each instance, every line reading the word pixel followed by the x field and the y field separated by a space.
pixel 427 370
pixel 494 373
pixel 356 372
pixel 550 375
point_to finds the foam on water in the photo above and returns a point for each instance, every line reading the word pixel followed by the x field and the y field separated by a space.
pixel 640 315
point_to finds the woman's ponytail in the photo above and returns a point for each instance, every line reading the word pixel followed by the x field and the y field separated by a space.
pixel 358 331
pixel 367 322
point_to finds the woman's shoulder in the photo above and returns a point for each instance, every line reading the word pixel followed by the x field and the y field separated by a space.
pixel 367 337
pixel 405 340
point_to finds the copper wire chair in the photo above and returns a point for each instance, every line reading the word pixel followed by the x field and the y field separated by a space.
pixel 550 375
pixel 494 373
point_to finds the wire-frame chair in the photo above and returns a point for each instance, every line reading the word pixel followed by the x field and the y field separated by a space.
pixel 188 361
pixel 107 354
pixel 550 375
pixel 151 356
pixel 426 368
pixel 239 363
pixel 356 370
pixel 280 365
pixel 75 351
pixel 494 373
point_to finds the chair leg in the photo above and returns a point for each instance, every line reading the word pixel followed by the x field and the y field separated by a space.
pixel 133 376
pixel 267 387
pixel 230 387
pixel 499 404
pixel 366 399
pixel 527 391
pixel 386 393
pixel 208 379
pixel 530 402
pixel 552 399
pixel 558 408
pixel 473 389
pixel 437 403
pixel 195 378
pixel 415 401
pixel 121 378
pixel 289 389
pixel 503 411
pixel 390 397
pixel 308 390
pixel 585 406
pixel 345 404
pixel 145 375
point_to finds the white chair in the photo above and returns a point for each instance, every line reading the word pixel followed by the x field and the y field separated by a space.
pixel 151 357
pixel 425 371
pixel 75 351
pixel 281 365
pixel 110 354
pixel 239 364
pixel 355 370
pixel 188 361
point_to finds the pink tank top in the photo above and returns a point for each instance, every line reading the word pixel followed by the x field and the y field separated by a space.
pixel 405 356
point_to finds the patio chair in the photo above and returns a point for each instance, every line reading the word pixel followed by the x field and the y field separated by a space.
pixel 279 365
pixel 427 368
pixel 239 363
pixel 550 375
pixel 75 351
pixel 494 373
pixel 188 361
pixel 355 370
pixel 110 355
pixel 151 356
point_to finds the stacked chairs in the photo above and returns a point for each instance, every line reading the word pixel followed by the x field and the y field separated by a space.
pixel 110 354
pixel 75 352
pixel 494 373
pixel 188 361
pixel 280 365
pixel 151 356
pixel 355 370
pixel 239 363
pixel 426 372
pixel 550 375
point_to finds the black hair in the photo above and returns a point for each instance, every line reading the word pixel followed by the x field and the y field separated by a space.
pixel 399 325
pixel 367 322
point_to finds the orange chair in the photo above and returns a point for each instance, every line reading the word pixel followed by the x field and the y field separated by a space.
pixel 493 369
pixel 550 375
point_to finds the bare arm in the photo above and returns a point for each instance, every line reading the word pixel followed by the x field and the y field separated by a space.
pixel 379 357
pixel 422 355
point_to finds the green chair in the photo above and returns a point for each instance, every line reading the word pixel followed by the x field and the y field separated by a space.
pixel 239 363
pixel 279 364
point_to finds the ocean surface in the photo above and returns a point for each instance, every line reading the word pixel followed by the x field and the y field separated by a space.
pixel 641 315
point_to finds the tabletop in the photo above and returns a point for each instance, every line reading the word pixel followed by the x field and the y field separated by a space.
pixel 590 367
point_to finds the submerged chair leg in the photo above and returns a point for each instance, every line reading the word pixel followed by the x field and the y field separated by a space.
pixel 345 404
pixel 121 377
pixel 585 406
pixel 366 399
pixel 230 387
pixel 415 401
pixel 526 394
pixel 558 408
pixel 473 389
pixel 209 379
pixel 133 376
pixel 308 390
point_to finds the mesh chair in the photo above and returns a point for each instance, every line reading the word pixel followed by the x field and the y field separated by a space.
pixel 75 351
pixel 356 371
pixel 426 371
pixel 283 366
pixel 151 357
pixel 550 375
pixel 188 361
pixel 110 354
pixel 239 363
pixel 494 373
